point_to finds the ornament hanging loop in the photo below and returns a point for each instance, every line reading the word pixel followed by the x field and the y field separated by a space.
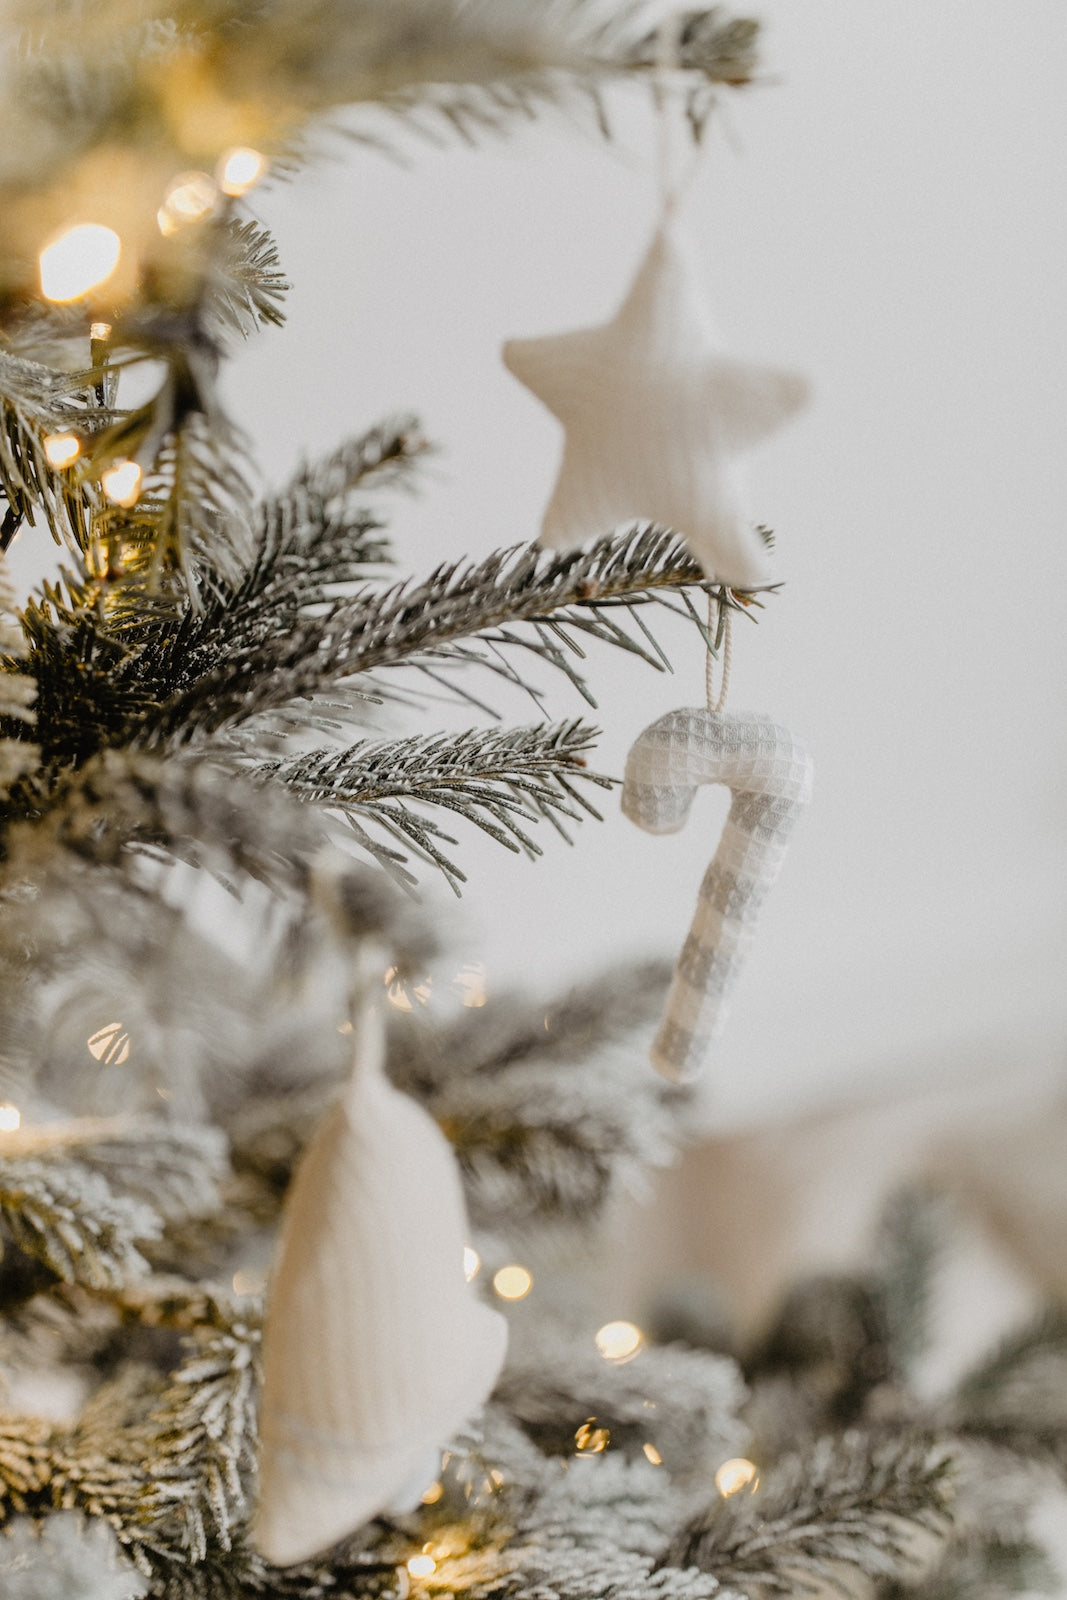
pixel 717 702
pixel 676 172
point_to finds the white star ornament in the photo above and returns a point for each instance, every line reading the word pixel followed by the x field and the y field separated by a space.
pixel 657 421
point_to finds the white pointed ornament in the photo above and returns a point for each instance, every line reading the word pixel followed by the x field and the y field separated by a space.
pixel 375 1349
pixel 657 420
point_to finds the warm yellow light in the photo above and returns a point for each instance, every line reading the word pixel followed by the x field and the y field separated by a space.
pixel 472 1263
pixel 78 261
pixel 422 1566
pixel 431 1495
pixel 652 1454
pixel 239 169
pixel 99 331
pixel 512 1282
pixel 470 985
pixel 122 483
pixel 735 1475
pixel 619 1341
pixel 191 197
pixel 591 1440
pixel 10 1118
pixel 62 448
pixel 110 1044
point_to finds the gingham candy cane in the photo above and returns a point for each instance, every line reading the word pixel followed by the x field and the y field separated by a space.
pixel 769 774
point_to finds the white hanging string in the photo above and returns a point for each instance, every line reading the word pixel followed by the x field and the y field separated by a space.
pixel 676 173
pixel 717 702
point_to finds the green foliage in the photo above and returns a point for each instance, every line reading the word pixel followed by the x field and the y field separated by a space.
pixel 851 1502
pixel 68 1216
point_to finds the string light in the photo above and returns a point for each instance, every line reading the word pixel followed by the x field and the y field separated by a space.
pixel 619 1341
pixel 110 1044
pixel 79 260
pixel 735 1475
pixel 472 1263
pixel 122 483
pixel 591 1440
pixel 240 169
pixel 190 197
pixel 431 1495
pixel 423 1566
pixel 650 1453
pixel 62 448
pixel 512 1282
pixel 10 1118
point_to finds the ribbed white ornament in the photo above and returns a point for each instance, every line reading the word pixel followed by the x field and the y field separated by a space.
pixel 769 773
pixel 658 420
pixel 376 1350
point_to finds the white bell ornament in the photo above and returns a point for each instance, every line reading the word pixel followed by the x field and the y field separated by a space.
pixel 376 1350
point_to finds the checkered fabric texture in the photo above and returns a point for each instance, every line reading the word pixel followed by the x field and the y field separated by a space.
pixel 769 773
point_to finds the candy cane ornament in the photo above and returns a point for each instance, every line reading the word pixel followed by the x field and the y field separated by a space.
pixel 769 773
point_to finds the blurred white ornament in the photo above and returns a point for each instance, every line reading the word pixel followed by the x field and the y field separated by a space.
pixel 375 1349
pixel 656 420
pixel 769 773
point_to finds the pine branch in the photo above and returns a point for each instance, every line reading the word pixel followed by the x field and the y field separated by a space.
pixel 590 593
pixel 551 1110
pixel 989 1567
pixel 516 1031
pixel 681 1402
pixel 309 540
pixel 848 1503
pixel 1017 1398
pixel 17 691
pixel 907 1253
pixel 245 286
pixel 69 1218
pixel 36 400
pixel 497 781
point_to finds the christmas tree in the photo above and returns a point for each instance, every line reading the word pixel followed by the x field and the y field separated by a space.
pixel 209 855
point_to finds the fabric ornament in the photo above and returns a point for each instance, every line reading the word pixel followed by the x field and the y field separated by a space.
pixel 657 421
pixel 375 1349
pixel 769 773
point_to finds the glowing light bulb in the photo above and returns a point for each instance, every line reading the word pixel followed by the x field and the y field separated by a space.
pixel 431 1495
pixel 110 1044
pixel 472 1263
pixel 99 331
pixel 512 1282
pixel 239 169
pixel 619 1341
pixel 650 1453
pixel 190 197
pixel 423 1566
pixel 735 1475
pixel 591 1440
pixel 122 483
pixel 10 1118
pixel 79 260
pixel 62 448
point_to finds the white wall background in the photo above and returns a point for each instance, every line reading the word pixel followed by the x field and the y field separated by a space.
pixel 886 214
